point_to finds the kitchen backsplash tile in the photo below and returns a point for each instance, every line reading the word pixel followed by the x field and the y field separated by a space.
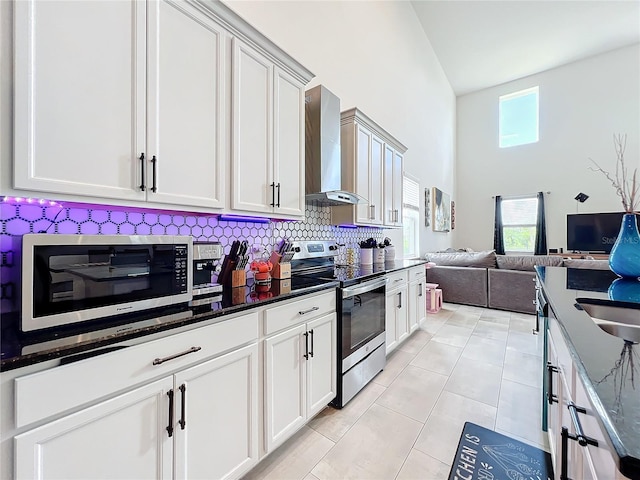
pixel 18 218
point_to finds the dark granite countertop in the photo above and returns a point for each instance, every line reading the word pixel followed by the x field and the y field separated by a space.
pixel 600 357
pixel 20 349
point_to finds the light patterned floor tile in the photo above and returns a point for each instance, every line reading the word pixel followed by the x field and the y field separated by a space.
pixel 396 362
pixel 464 409
pixel 413 393
pixel 476 380
pixel 415 342
pixel 461 319
pixel 522 324
pixel 439 437
pixel 438 357
pixel 432 325
pixel 452 335
pixel 421 466
pixel 520 411
pixel 492 330
pixel 334 423
pixel 294 459
pixel 484 350
pixel 311 476
pixel 523 368
pixel 525 343
pixel 374 448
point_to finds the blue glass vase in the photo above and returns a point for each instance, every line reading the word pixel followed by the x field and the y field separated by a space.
pixel 624 259
pixel 625 290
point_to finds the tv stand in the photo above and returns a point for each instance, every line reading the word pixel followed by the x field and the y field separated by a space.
pixel 583 255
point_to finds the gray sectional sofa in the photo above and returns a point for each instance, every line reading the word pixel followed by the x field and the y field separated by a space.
pixel 503 282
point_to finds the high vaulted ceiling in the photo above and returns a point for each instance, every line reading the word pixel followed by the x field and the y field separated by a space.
pixel 481 43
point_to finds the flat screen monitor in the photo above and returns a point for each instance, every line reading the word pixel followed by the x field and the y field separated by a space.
pixel 593 232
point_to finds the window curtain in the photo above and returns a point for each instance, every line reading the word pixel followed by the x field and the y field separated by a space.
pixel 541 230
pixel 498 238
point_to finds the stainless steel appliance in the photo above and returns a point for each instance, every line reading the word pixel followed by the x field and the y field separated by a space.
pixel 204 256
pixel 323 170
pixel 361 314
pixel 68 279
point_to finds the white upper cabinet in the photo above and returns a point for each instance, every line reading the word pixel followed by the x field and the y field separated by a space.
pixel 186 128
pixel 372 168
pixel 268 142
pixel 149 102
pixel 79 104
pixel 393 171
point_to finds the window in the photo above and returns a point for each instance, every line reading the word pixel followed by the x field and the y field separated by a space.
pixel 519 217
pixel 519 118
pixel 410 218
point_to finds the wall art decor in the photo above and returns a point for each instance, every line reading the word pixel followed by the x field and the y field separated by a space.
pixel 441 213
pixel 427 207
pixel 453 214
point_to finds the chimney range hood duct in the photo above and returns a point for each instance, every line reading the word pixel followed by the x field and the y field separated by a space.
pixel 323 164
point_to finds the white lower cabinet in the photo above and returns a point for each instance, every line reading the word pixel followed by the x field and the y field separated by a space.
pixel 212 407
pixel 417 297
pixel 300 376
pixel 397 310
pixel 216 424
pixel 124 437
pixel 566 392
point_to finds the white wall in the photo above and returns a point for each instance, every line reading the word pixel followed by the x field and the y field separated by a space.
pixel 374 56
pixel 581 106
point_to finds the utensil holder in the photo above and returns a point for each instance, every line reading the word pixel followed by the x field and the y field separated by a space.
pixel 238 278
pixel 378 255
pixel 389 253
pixel 366 256
pixel 281 270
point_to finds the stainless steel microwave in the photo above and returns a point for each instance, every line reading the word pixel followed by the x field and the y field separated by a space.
pixel 74 278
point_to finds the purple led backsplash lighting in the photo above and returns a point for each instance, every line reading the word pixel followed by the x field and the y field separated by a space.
pixel 22 215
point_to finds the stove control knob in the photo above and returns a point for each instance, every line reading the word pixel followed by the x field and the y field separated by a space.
pixel 333 247
pixel 297 249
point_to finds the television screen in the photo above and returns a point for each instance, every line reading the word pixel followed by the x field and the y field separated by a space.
pixel 593 232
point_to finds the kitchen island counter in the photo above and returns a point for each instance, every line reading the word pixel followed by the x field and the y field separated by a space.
pixel 599 357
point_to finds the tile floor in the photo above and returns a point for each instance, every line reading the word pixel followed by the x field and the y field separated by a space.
pixel 465 364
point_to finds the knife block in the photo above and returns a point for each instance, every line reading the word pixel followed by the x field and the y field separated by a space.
pixel 281 271
pixel 238 278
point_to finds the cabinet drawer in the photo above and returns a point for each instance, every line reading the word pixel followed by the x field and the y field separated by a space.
pixel 50 392
pixel 417 273
pixel 289 314
pixel 397 279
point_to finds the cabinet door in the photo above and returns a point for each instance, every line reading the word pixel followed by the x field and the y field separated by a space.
pixel 398 172
pixel 253 187
pixel 389 208
pixel 363 159
pixel 285 402
pixel 219 399
pixel 124 437
pixel 186 106
pixel 322 365
pixel 376 184
pixel 288 153
pixel 402 313
pixel 553 410
pixel 417 304
pixel 390 327
pixel 79 97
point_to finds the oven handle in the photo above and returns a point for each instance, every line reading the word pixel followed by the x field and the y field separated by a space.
pixel 363 287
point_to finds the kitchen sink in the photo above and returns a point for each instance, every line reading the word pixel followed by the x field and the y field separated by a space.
pixel 621 319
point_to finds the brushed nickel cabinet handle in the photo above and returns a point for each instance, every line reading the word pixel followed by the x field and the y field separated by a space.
pixel 159 361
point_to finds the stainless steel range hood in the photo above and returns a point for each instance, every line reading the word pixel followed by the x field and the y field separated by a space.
pixel 323 165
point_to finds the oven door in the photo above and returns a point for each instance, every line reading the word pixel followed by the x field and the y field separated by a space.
pixel 363 318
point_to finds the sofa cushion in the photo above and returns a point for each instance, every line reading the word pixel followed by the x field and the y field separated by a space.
pixel 485 259
pixel 527 262
pixel 586 263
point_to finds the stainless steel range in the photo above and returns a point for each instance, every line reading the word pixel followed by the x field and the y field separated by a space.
pixel 361 313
